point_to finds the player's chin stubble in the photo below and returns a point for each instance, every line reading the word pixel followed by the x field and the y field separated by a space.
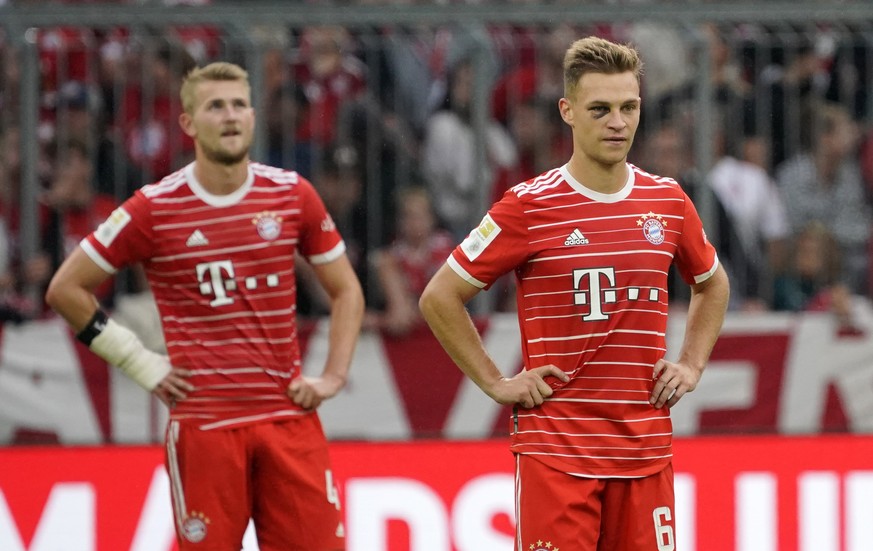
pixel 224 157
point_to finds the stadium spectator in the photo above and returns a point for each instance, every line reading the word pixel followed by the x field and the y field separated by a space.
pixel 794 78
pixel 449 162
pixel 403 268
pixel 330 76
pixel 752 223
pixel 150 110
pixel 411 65
pixel 812 280
pixel 591 429
pixel 286 148
pixel 27 271
pixel 81 118
pixel 75 208
pixel 823 183
pixel 732 98
pixel 340 185
pixel 217 240
pixel 537 78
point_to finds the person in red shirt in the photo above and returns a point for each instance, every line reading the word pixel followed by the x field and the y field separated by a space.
pixel 330 77
pixel 404 267
pixel 217 240
pixel 149 110
pixel 591 243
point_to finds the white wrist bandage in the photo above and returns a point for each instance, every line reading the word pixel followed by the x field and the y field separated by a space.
pixel 120 347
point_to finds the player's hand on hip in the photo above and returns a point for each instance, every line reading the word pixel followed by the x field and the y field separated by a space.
pixel 309 392
pixel 174 387
pixel 528 388
pixel 672 382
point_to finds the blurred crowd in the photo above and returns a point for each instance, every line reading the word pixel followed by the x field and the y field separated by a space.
pixel 410 132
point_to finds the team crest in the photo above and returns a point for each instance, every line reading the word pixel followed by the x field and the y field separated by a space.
pixel 653 227
pixel 541 545
pixel 268 224
pixel 327 225
pixel 194 527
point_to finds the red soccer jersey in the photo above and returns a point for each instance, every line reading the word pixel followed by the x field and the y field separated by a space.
pixel 222 272
pixel 592 300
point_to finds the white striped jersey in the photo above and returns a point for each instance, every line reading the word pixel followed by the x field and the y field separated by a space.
pixel 222 272
pixel 592 278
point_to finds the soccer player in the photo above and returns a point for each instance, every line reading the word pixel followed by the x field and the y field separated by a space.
pixel 217 240
pixel 590 243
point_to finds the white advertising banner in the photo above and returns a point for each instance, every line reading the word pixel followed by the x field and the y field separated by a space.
pixel 769 373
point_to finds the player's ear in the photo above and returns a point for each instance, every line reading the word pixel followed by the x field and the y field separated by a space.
pixel 566 109
pixel 186 122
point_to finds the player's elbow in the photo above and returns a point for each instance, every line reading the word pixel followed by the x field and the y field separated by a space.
pixel 433 301
pixel 53 293
pixel 60 290
pixel 425 301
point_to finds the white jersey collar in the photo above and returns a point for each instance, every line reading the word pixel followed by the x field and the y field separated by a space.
pixel 218 200
pixel 596 195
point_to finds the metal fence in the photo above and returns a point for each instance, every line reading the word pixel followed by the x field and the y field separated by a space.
pixel 347 95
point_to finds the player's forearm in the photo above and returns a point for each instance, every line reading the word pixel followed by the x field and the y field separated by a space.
pixel 346 315
pixel 393 284
pixel 114 343
pixel 705 317
pixel 451 324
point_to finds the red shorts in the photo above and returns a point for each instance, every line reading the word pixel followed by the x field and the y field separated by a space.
pixel 556 511
pixel 278 474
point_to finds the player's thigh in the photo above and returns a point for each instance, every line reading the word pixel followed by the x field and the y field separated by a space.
pixel 638 513
pixel 296 503
pixel 555 510
pixel 209 487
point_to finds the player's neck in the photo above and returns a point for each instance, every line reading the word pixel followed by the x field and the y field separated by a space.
pixel 220 179
pixel 599 177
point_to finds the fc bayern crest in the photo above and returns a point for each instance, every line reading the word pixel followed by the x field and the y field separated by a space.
pixel 653 227
pixel 194 527
pixel 268 224
pixel 542 545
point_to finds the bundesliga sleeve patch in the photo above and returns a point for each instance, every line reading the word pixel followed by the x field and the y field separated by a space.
pixel 109 230
pixel 480 238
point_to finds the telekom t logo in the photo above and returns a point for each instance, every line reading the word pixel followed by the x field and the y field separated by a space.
pixel 221 280
pixel 595 295
pixel 600 289
pixel 218 278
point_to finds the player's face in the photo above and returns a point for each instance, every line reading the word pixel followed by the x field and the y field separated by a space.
pixel 223 121
pixel 604 113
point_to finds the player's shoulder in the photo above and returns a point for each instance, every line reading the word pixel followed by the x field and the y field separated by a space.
pixel 539 187
pixel 643 179
pixel 168 185
pixel 272 175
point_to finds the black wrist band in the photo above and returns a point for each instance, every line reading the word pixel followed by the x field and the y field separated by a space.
pixel 95 327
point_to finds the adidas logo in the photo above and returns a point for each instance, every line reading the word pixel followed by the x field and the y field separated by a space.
pixel 197 239
pixel 576 238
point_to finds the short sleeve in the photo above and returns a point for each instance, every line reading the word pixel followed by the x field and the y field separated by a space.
pixel 320 241
pixel 696 258
pixel 125 237
pixel 496 246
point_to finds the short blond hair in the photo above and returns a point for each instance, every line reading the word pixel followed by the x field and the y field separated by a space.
pixel 597 55
pixel 218 71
